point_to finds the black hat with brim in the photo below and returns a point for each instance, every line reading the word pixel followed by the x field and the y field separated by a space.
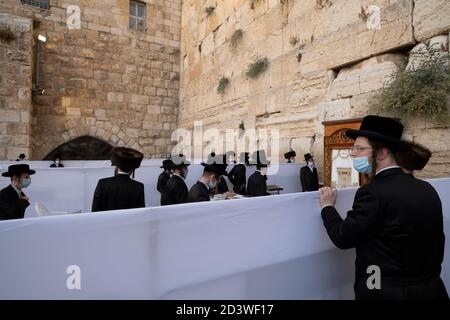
pixel 179 161
pixel 216 163
pixel 17 169
pixel 290 154
pixel 126 158
pixel 382 129
pixel 167 164
pixel 308 156
pixel 216 168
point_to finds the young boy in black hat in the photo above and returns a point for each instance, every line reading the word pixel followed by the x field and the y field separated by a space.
pixel 120 191
pixel 396 224
pixel 13 202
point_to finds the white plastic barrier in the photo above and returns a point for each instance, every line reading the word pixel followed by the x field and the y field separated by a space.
pixel 260 248
pixel 72 188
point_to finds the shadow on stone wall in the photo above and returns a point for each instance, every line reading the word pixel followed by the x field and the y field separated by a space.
pixel 82 148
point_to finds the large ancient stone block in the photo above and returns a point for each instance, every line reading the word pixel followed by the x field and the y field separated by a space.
pixel 431 18
pixel 356 41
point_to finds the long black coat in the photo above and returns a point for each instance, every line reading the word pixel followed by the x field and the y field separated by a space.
pixel 198 192
pixel 237 177
pixel 161 186
pixel 176 191
pixel 396 224
pixel 257 185
pixel 11 206
pixel 309 179
pixel 118 192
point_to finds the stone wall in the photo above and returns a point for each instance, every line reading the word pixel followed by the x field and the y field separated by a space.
pixel 104 80
pixel 327 58
pixel 15 85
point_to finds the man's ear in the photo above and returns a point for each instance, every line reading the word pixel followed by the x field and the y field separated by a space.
pixel 382 153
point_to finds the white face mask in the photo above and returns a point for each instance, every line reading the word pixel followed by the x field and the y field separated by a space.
pixel 310 164
pixel 264 171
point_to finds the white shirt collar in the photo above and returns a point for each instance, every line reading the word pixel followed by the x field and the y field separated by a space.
pixel 121 172
pixel 19 192
pixel 391 167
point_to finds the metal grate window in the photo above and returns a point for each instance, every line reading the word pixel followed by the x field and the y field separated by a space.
pixel 43 4
pixel 138 16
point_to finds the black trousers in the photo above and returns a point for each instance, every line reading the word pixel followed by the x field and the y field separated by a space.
pixel 430 289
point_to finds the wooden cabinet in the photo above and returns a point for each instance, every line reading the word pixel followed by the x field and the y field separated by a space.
pixel 338 166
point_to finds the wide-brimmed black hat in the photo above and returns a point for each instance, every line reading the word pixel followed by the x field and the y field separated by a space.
pixel 290 154
pixel 216 163
pixel 259 159
pixel 216 168
pixel 414 158
pixel 167 164
pixel 382 129
pixel 126 159
pixel 307 156
pixel 17 169
pixel 179 161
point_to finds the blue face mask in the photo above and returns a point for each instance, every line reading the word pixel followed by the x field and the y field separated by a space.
pixel 212 185
pixel 25 182
pixel 184 173
pixel 362 165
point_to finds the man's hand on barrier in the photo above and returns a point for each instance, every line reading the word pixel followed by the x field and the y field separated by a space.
pixel 327 197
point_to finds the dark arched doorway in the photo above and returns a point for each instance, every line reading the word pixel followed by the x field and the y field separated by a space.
pixel 82 148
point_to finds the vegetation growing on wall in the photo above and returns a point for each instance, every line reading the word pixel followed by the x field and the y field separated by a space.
pixel 257 67
pixel 422 89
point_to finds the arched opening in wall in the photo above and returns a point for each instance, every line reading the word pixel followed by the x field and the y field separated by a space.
pixel 82 148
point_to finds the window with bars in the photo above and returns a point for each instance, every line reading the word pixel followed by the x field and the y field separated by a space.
pixel 43 4
pixel 138 16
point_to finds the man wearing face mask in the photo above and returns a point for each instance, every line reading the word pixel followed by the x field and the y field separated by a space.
pixel 396 223
pixel 257 182
pixel 13 202
pixel 176 189
pixel 209 181
pixel 308 175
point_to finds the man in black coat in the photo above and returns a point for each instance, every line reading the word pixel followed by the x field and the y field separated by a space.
pixel 237 175
pixel 208 181
pixel 13 202
pixel 396 224
pixel 163 178
pixel 120 191
pixel 176 188
pixel 308 175
pixel 257 182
